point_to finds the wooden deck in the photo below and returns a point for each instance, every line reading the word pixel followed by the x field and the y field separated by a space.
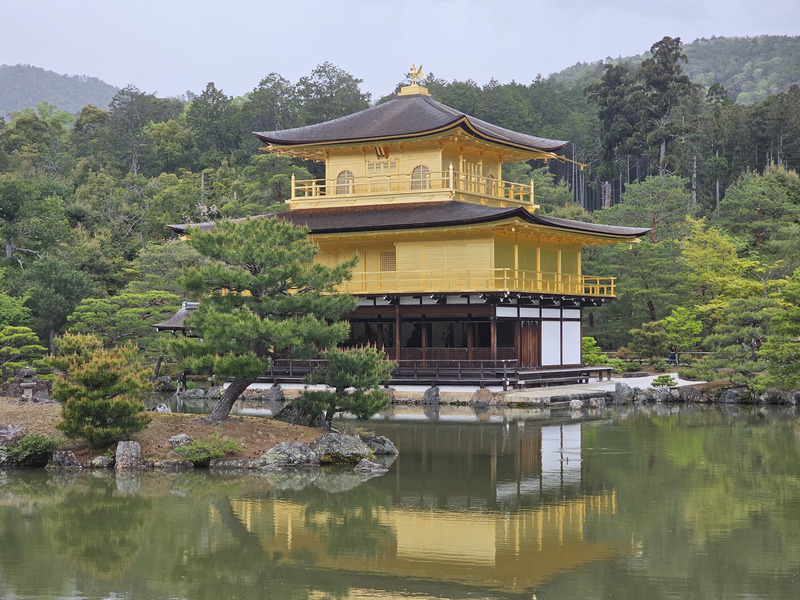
pixel 482 373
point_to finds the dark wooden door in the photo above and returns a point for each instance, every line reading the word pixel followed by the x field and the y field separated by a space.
pixel 528 352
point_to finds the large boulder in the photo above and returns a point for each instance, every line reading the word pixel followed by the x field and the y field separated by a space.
pixel 623 393
pixel 274 394
pixel 193 394
pixel 336 448
pixel 64 459
pixel 164 384
pixel 734 396
pixel 101 462
pixel 431 395
pixel 597 402
pixel 482 398
pixel 10 434
pixel 661 395
pixel 299 413
pixel 778 397
pixel 690 394
pixel 129 456
pixel 379 444
pixel 180 440
pixel 289 455
pixel 215 393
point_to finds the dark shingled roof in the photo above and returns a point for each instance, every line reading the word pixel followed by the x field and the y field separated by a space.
pixel 175 322
pixel 403 117
pixel 424 215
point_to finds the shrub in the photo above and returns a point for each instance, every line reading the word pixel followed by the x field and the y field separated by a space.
pixel 663 381
pixel 625 353
pixel 699 371
pixel 202 450
pixel 354 377
pixel 659 366
pixel 592 354
pixel 618 364
pixel 34 450
pixel 103 392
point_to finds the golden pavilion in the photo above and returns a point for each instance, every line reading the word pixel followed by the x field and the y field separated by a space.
pixel 458 278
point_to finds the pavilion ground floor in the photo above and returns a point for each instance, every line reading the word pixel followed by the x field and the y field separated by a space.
pixel 508 340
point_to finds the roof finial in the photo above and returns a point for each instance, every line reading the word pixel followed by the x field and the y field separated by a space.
pixel 416 74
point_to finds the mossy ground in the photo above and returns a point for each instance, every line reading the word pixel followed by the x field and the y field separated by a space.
pixel 255 434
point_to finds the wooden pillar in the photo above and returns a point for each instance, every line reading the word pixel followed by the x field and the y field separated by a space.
pixel 470 340
pixel 493 335
pixel 379 334
pixel 423 336
pixel 397 332
pixel 539 267
pixel 560 271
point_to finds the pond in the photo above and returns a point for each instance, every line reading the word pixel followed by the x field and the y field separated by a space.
pixel 658 503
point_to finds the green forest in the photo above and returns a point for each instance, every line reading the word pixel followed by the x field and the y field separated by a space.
pixel 85 199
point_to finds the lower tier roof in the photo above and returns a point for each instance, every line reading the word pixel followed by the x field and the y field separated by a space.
pixel 352 219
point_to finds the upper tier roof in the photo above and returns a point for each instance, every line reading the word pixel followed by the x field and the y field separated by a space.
pixel 406 116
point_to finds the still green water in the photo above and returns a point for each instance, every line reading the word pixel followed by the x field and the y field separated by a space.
pixel 651 504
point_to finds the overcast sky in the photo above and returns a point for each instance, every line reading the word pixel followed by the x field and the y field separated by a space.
pixel 171 46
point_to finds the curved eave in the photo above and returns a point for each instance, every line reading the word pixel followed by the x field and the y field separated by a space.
pixel 601 234
pixel 483 132
pixel 427 216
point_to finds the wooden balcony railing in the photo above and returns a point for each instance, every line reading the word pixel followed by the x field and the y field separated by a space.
pixel 478 280
pixel 451 180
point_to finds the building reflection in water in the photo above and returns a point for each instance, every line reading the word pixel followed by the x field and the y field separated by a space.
pixel 498 507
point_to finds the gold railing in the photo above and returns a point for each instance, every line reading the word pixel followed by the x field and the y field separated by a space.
pixel 478 280
pixel 451 180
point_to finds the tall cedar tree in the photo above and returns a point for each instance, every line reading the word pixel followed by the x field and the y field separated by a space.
pixel 262 298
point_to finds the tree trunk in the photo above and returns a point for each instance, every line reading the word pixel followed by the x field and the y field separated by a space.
pixel 52 341
pixel 232 393
pixel 329 414
pixel 157 368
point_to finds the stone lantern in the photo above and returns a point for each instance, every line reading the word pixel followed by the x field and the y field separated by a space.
pixel 27 383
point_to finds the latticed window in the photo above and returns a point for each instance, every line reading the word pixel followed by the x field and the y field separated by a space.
pixel 420 178
pixel 388 261
pixel 344 182
pixel 381 167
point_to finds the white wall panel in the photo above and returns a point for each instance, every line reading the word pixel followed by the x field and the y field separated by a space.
pixel 572 342
pixel 551 343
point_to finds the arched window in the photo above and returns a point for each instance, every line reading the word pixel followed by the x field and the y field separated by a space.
pixel 344 182
pixel 420 178
pixel 490 185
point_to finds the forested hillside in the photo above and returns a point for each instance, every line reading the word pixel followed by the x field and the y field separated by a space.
pixel 24 86
pixel 84 201
pixel 749 68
